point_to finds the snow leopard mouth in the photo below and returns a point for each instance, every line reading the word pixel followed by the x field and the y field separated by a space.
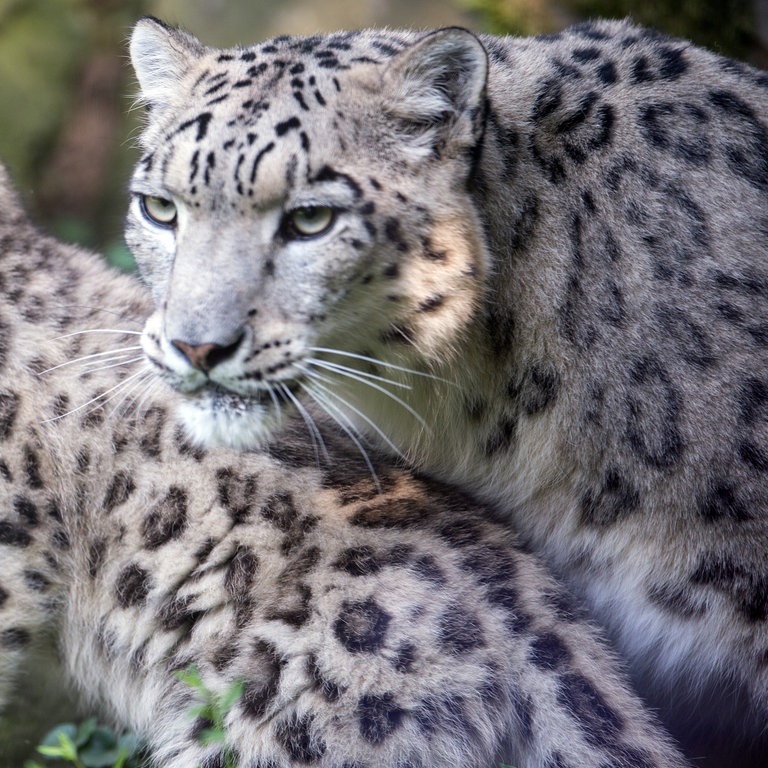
pixel 220 397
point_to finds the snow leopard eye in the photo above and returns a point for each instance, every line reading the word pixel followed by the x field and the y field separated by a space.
pixel 311 221
pixel 158 210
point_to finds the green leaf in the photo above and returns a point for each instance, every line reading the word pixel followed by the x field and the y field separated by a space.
pixel 51 739
pixel 123 753
pixel 95 757
pixel 130 743
pixel 234 693
pixel 67 746
pixel 102 749
pixel 65 749
pixel 104 737
pixel 85 731
pixel 49 751
pixel 191 677
pixel 202 710
pixel 211 736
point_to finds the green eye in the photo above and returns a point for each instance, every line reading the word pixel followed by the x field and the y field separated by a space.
pixel 309 222
pixel 158 210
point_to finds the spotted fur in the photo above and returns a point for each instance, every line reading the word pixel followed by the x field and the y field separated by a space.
pixel 372 627
pixel 561 239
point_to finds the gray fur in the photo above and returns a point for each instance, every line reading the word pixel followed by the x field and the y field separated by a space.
pixel 574 246
pixel 392 627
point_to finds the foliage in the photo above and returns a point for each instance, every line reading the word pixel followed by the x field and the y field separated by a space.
pixel 61 70
pixel 71 229
pixel 727 26
pixel 39 45
pixel 213 708
pixel 518 17
pixel 90 745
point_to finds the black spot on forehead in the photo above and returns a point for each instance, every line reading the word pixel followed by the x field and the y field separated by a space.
pixel 326 173
pixel 292 123
pixel 201 122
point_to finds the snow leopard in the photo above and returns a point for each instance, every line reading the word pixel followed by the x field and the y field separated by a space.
pixel 370 626
pixel 533 267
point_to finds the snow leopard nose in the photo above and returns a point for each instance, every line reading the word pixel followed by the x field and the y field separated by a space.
pixel 206 356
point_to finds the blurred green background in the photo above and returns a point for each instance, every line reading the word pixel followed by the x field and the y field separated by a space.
pixel 67 128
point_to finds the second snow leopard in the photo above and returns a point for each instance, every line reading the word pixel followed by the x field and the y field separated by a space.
pixel 370 630
pixel 535 267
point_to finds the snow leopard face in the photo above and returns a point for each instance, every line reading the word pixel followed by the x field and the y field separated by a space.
pixel 282 257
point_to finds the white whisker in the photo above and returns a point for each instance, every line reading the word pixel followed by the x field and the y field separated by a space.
pixel 317 439
pixel 147 382
pixel 94 368
pixel 348 428
pixel 330 393
pixel 145 402
pixel 115 354
pixel 90 359
pixel 344 369
pixel 371 384
pixel 123 390
pixel 121 331
pixel 375 361
pixel 100 399
pixel 101 310
pixel 273 397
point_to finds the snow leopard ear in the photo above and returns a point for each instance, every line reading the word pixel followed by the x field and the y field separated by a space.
pixel 161 56
pixel 435 90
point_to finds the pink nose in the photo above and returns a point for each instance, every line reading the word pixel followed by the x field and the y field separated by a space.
pixel 206 356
